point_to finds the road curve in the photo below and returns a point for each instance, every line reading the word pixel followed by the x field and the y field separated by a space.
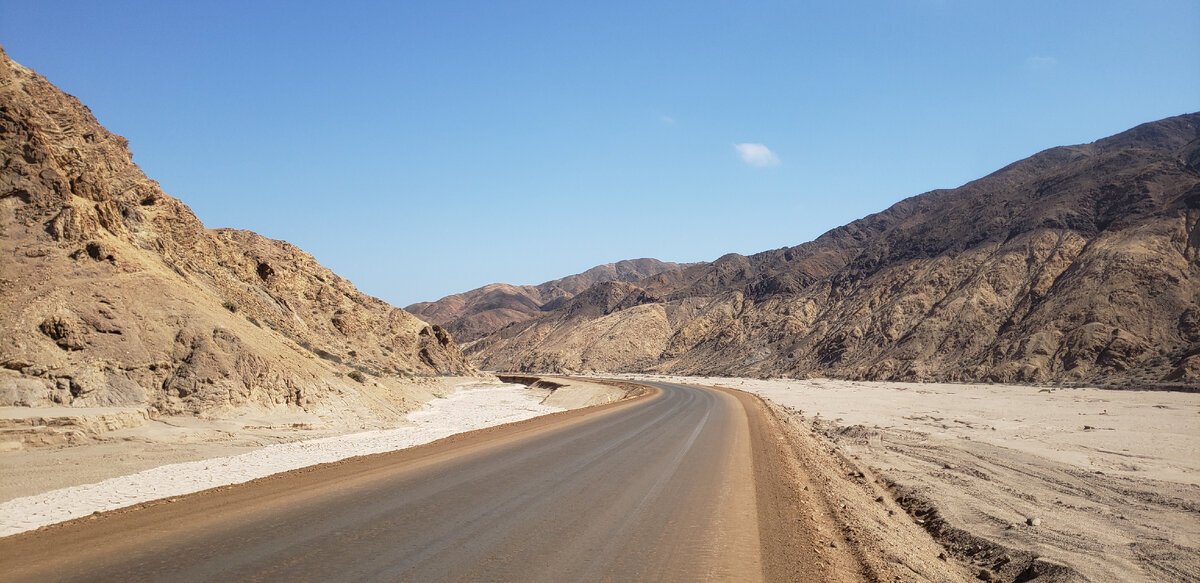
pixel 657 489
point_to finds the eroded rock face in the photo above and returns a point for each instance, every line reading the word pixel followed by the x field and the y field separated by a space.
pixel 114 293
pixel 1078 263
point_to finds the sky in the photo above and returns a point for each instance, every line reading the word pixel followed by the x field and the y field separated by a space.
pixel 426 148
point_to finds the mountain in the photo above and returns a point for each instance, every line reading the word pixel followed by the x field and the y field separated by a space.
pixel 1080 263
pixel 474 314
pixel 114 293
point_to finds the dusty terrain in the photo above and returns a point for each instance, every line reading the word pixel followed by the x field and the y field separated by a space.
pixel 686 484
pixel 852 530
pixel 1110 478
pixel 477 313
pixel 1080 263
pixel 115 295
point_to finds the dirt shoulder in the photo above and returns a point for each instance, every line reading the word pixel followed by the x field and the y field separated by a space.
pixel 822 520
pixel 1015 483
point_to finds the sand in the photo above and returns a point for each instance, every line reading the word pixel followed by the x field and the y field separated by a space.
pixel 469 407
pixel 1112 477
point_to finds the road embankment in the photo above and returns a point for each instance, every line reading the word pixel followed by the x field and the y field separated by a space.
pixel 573 393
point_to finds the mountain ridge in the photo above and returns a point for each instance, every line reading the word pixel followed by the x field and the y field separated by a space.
pixel 980 282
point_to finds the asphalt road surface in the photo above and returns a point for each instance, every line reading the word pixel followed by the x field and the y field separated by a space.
pixel 660 488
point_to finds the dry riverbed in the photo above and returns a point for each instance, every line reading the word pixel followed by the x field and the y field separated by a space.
pixel 1020 481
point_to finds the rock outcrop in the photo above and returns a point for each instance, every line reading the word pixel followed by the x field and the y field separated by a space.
pixel 114 293
pixel 477 313
pixel 1080 263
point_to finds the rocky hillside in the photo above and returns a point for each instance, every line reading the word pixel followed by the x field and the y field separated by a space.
pixel 1078 263
pixel 474 314
pixel 115 294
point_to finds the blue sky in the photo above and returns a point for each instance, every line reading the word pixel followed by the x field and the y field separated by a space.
pixel 422 149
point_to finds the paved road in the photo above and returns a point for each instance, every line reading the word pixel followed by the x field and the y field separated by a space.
pixel 658 489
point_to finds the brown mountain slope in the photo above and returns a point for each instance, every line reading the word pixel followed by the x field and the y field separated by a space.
pixel 1080 262
pixel 482 311
pixel 115 294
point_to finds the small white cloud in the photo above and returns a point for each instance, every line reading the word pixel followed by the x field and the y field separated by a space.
pixel 756 154
pixel 667 120
pixel 1041 63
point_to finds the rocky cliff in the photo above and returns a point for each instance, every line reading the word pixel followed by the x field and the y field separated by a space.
pixel 1080 263
pixel 477 313
pixel 114 293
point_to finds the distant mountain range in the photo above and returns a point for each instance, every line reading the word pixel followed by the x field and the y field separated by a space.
pixel 482 311
pixel 114 293
pixel 1079 263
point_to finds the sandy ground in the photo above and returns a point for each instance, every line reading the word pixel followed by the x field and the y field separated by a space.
pixel 43 486
pixel 1109 479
